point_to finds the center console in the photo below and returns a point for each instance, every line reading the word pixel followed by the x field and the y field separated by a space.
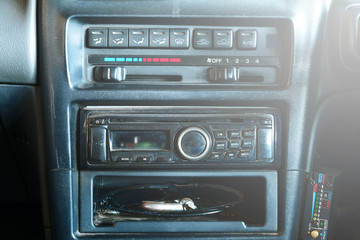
pixel 177 168
pixel 176 119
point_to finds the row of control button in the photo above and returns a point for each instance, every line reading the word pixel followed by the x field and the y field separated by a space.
pixel 223 39
pixel 231 155
pixel 137 38
pixel 170 38
pixel 236 134
pixel 224 145
pixel 143 159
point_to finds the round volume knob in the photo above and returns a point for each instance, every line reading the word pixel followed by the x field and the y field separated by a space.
pixel 193 143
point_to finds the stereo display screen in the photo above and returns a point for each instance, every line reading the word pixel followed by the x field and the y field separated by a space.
pixel 139 141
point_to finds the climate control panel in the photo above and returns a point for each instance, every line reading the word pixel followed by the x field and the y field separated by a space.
pixel 120 53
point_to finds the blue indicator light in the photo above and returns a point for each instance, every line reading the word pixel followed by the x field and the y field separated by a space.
pixel 120 59
pixel 129 59
pixel 140 59
pixel 109 59
pixel 136 59
pixel 320 180
pixel 313 204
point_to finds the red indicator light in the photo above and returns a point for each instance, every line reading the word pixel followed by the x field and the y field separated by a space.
pixel 315 188
pixel 149 59
pixel 164 60
pixel 144 59
pixel 156 59
pixel 175 59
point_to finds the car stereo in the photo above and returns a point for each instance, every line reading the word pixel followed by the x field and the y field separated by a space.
pixel 178 136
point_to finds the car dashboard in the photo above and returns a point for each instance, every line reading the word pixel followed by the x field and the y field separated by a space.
pixel 181 119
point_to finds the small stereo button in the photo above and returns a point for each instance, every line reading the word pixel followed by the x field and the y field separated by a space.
pixel 248 133
pixel 244 154
pixel 220 145
pixel 220 134
pixel 124 159
pixel 247 143
pixel 266 122
pixel 235 144
pixel 143 159
pixel 234 134
pixel 231 155
pixel 217 155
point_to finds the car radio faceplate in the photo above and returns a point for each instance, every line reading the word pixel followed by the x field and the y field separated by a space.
pixel 178 137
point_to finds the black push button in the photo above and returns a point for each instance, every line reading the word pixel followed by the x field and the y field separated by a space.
pixel 97 37
pixel 118 38
pixel 266 122
pixel 179 38
pixel 234 134
pixel 217 155
pixel 244 154
pixel 202 39
pixel 139 38
pixel 98 144
pixel 124 159
pixel 221 134
pixel 247 39
pixel 265 144
pixel 109 74
pixel 159 38
pixel 231 155
pixel 248 133
pixel 235 144
pixel 223 39
pixel 222 74
pixel 247 143
pixel 144 159
pixel 220 145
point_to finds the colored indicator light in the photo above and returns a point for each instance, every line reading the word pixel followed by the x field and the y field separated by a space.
pixel 156 59
pixel 175 59
pixel 144 59
pixel 120 59
pixel 129 59
pixel 140 59
pixel 149 60
pixel 136 59
pixel 164 60
pixel 109 59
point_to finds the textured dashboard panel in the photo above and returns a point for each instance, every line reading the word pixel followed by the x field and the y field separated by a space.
pixel 18 41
